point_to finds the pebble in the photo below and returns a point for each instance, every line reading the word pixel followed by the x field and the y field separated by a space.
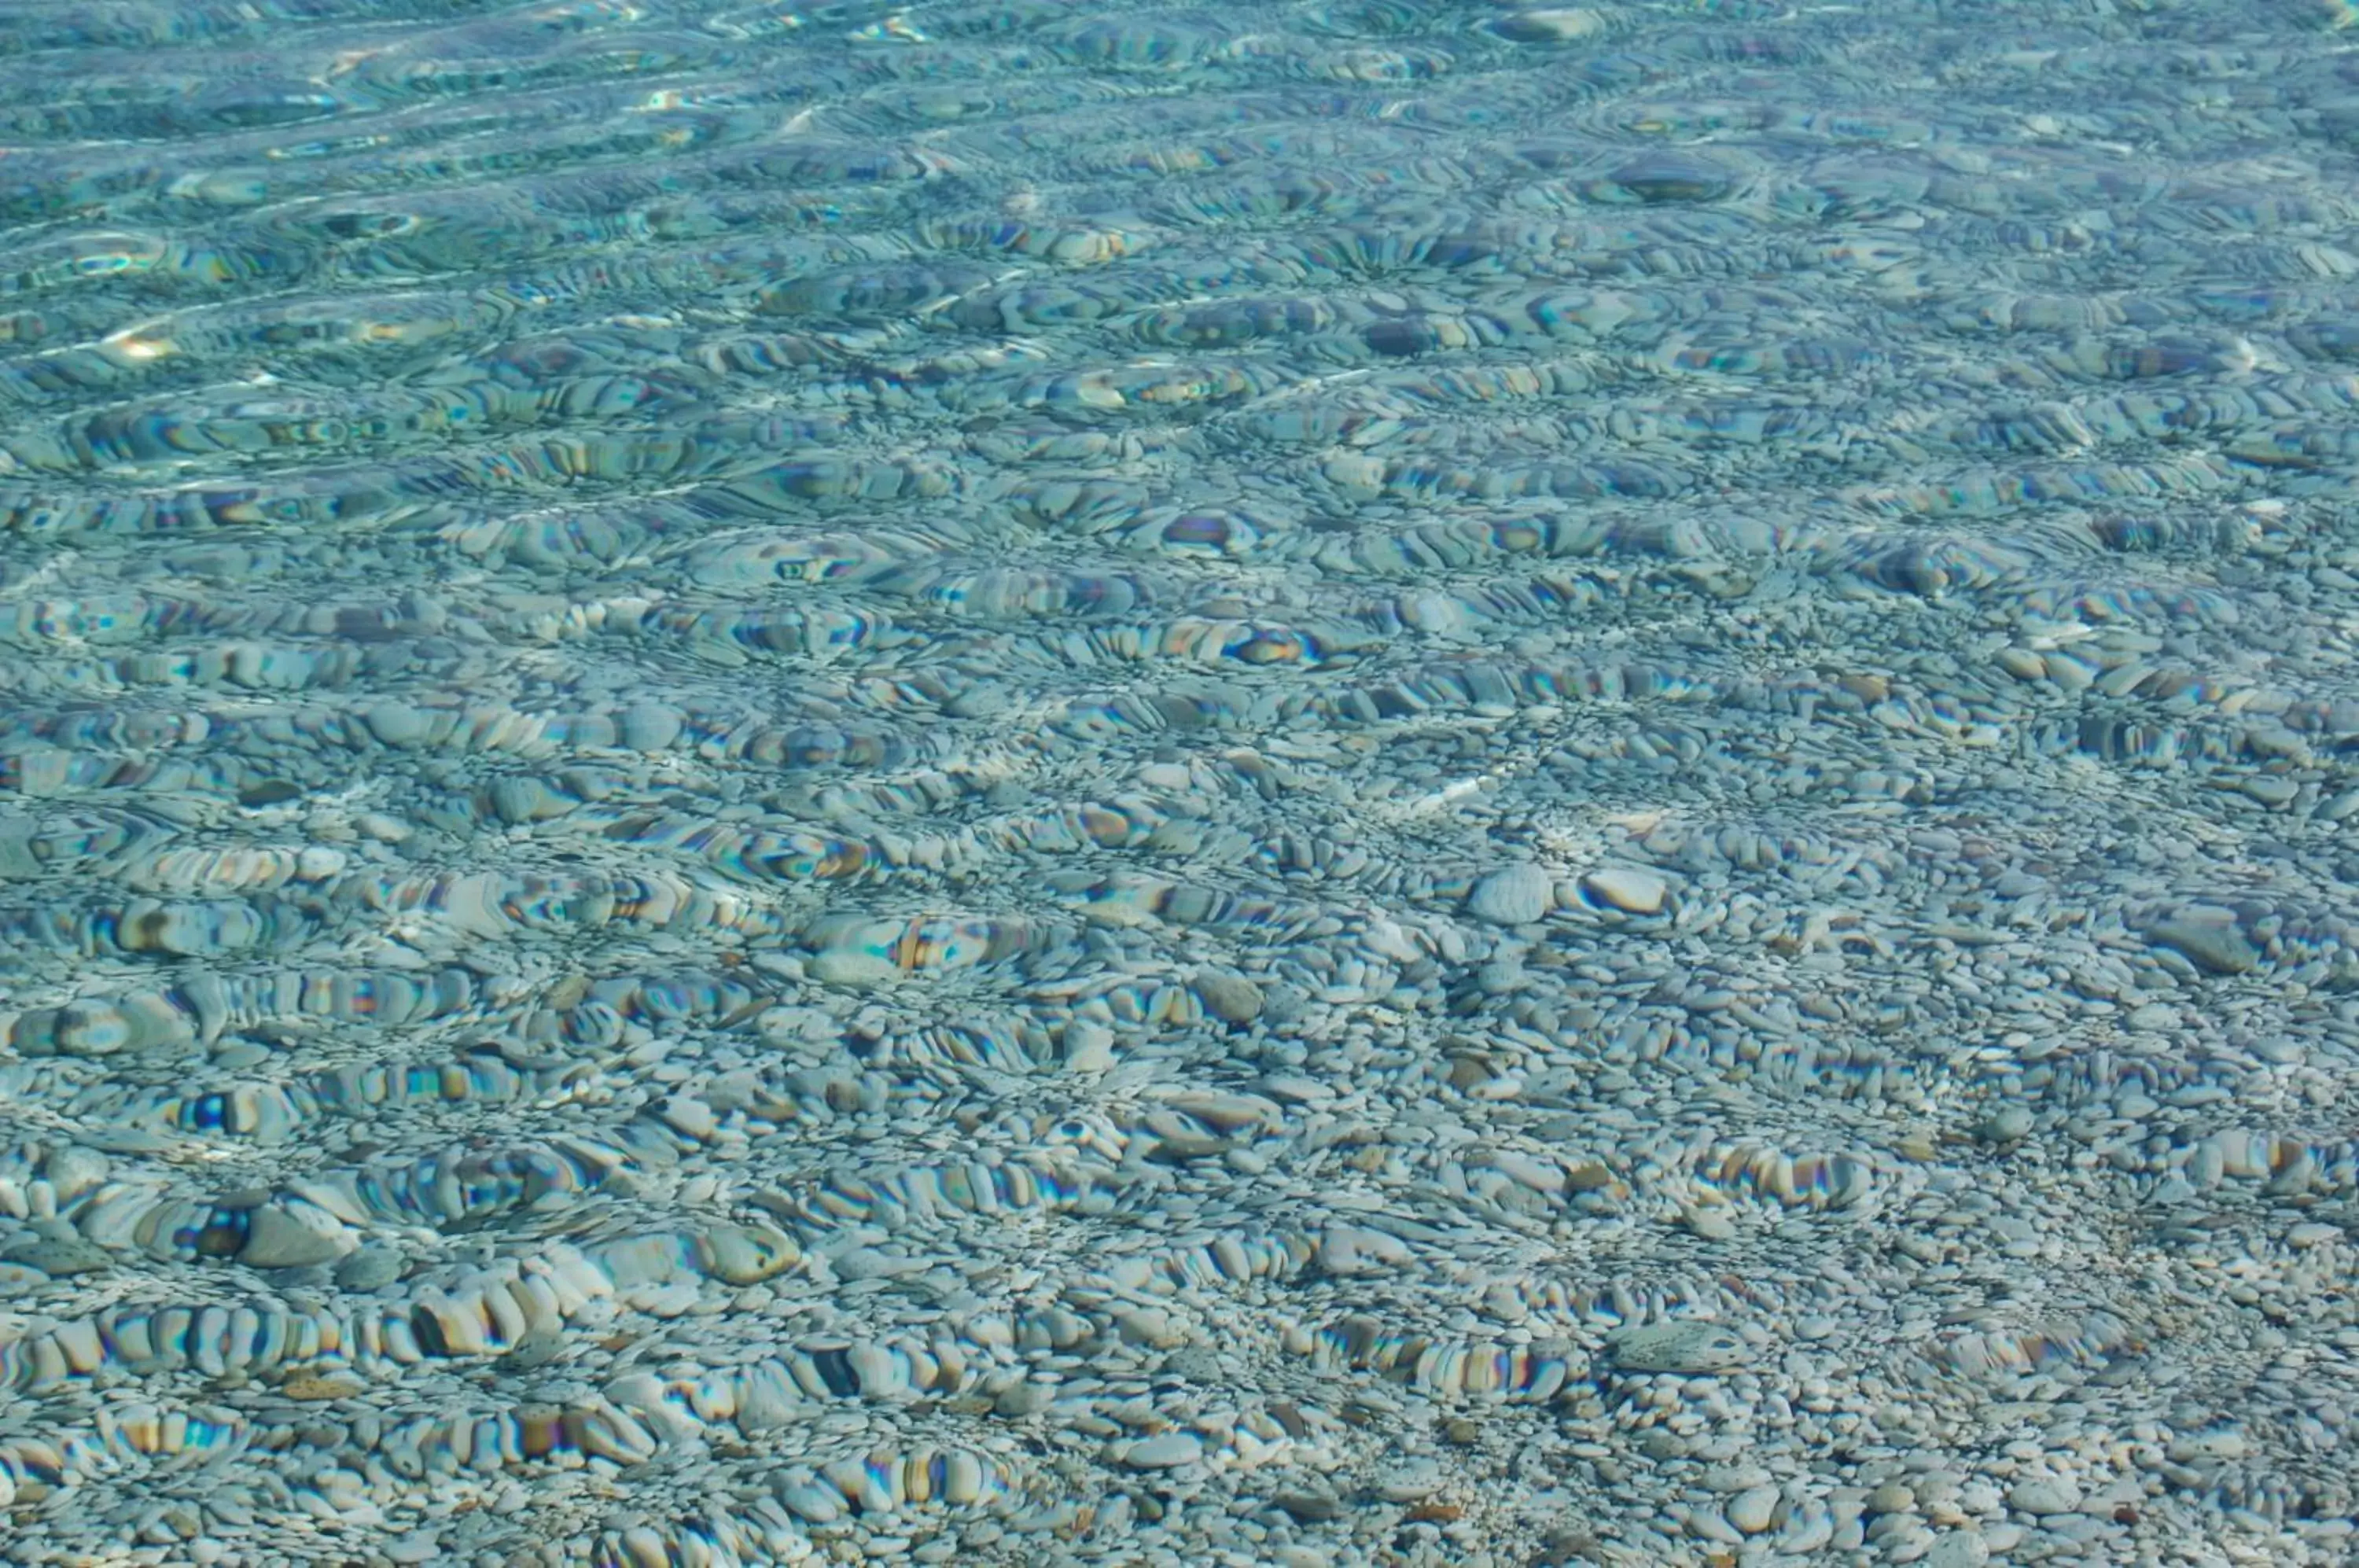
pixel 1627 888
pixel 277 1238
pixel 2042 1498
pixel 372 1268
pixel 1228 996
pixel 1702 1348
pixel 1558 26
pixel 60 1257
pixel 2006 1124
pixel 1168 1451
pixel 1753 1510
pixel 1892 1497
pixel 1957 1549
pixel 2208 938
pixel 1410 1483
pixel 1089 1048
pixel 1515 894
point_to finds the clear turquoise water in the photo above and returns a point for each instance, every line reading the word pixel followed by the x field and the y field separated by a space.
pixel 862 685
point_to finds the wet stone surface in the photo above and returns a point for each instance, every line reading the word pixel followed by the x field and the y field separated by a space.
pixel 1349 783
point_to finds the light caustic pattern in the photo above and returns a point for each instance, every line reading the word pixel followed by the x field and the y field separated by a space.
pixel 1346 781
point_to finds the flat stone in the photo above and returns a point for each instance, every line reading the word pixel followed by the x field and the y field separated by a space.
pixel 1311 1508
pixel 1677 1348
pixel 278 1237
pixel 1349 1249
pixel 372 1267
pixel 1412 1482
pixel 1230 998
pixel 2007 1123
pixel 745 1255
pixel 1089 1047
pixel 1729 1479
pixel 2044 1497
pixel 395 722
pixel 650 726
pixel 1958 1549
pixel 1165 1450
pixel 61 1258
pixel 1628 889
pixel 20 1278
pixel 852 970
pixel 2208 937
pixel 1513 896
pixel 1556 25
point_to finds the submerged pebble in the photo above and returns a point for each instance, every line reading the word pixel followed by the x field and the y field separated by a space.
pixel 1513 896
pixel 1026 784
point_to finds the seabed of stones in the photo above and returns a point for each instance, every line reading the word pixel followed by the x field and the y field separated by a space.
pixel 1599 820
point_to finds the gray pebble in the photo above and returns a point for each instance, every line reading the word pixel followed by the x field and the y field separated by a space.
pixel 1165 1450
pixel 1677 1348
pixel 1957 1549
pixel 372 1267
pixel 2207 937
pixel 1753 1510
pixel 61 1258
pixel 278 1238
pixel 1513 896
pixel 2044 1497
pixel 1228 996
pixel 2007 1123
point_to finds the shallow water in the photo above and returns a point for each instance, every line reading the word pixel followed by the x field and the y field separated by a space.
pixel 1301 784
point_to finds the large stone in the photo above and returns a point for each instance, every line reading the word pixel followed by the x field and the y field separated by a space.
pixel 1230 998
pixel 1513 896
pixel 372 1267
pixel 1558 24
pixel 745 1255
pixel 1629 889
pixel 1166 1450
pixel 279 1235
pixel 2208 937
pixel 1690 1348
pixel 2041 1496
pixel 1958 1549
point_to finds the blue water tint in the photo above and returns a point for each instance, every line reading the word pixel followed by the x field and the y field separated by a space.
pixel 1348 781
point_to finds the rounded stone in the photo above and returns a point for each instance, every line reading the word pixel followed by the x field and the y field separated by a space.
pixel 2041 1497
pixel 1628 889
pixel 1089 1047
pixel 1556 25
pixel 2007 1123
pixel 1228 996
pixel 1412 1482
pixel 398 723
pixel 372 1267
pixel 745 1255
pixel 2208 937
pixel 1692 1346
pixel 1513 896
pixel 650 726
pixel 1958 1549
pixel 61 1258
pixel 1165 1450
pixel 1753 1510
pixel 277 1237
